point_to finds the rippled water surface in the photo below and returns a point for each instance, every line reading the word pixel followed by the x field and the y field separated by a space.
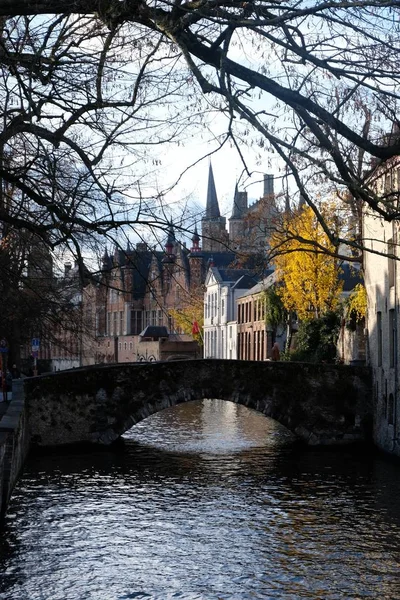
pixel 205 501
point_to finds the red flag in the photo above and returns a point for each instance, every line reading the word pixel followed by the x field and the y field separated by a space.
pixel 195 328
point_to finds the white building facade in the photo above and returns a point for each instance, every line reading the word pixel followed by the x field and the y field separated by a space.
pixel 223 287
pixel 382 281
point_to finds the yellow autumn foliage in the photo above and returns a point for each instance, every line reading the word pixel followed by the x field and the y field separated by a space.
pixel 191 309
pixel 357 303
pixel 309 275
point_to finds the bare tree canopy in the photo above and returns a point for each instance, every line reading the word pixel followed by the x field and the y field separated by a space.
pixel 318 83
pixel 81 114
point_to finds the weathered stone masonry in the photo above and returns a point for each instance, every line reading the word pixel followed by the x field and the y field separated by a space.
pixel 14 444
pixel 321 404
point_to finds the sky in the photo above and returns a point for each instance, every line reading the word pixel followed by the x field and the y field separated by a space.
pixel 227 169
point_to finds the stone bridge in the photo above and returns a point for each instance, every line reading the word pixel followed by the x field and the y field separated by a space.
pixel 320 404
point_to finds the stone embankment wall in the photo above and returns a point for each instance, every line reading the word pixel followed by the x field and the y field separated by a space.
pixel 14 443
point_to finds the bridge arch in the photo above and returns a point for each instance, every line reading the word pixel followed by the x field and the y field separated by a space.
pixel 320 404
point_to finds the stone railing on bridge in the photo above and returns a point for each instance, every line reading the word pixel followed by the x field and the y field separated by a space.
pixel 320 404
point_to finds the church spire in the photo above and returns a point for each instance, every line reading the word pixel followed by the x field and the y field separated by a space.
pixel 195 241
pixel 212 207
pixel 169 246
pixel 236 208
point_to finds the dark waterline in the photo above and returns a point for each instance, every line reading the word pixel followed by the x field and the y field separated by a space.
pixel 206 501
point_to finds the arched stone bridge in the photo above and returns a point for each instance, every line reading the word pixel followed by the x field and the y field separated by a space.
pixel 321 404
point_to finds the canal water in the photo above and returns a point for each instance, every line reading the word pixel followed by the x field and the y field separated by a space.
pixel 205 501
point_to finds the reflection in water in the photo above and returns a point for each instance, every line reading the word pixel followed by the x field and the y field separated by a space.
pixel 205 501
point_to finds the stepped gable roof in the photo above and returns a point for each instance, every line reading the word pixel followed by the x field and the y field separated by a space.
pixel 212 206
pixel 351 275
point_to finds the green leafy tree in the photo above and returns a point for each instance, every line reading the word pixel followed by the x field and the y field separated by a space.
pixel 316 340
pixel 275 312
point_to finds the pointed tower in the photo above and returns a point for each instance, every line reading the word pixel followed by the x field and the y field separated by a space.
pixel 212 207
pixel 168 261
pixel 195 242
pixel 106 261
pixel 237 220
pixel 214 234
pixel 195 258
pixel 171 242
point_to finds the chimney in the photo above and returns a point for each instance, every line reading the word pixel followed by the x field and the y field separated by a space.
pixel 268 184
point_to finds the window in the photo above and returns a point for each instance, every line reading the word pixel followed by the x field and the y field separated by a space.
pixel 115 323
pixel 136 322
pixel 379 332
pixel 391 263
pixel 160 318
pixel 108 324
pixel 230 332
pixel 130 345
pixel 121 322
pixel 262 345
pixel 392 337
pixel 222 307
pixel 154 318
